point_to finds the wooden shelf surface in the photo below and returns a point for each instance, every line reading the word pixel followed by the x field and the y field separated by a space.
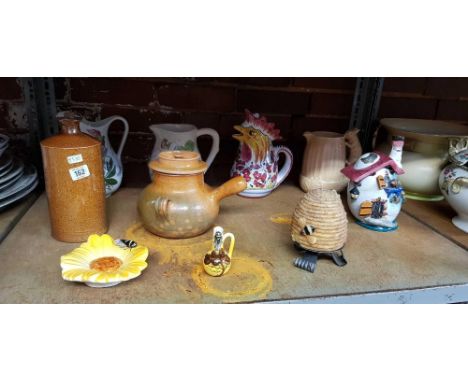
pixel 11 216
pixel 438 216
pixel 413 257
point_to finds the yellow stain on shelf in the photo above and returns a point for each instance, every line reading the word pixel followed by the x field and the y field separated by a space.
pixel 247 278
pixel 167 251
pixel 282 218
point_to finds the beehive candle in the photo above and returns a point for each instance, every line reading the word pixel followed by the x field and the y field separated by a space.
pixel 74 182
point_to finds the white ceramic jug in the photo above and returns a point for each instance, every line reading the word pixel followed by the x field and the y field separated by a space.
pixel 172 136
pixel 453 182
pixel 113 170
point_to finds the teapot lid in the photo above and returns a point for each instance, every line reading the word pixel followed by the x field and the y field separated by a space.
pixel 178 163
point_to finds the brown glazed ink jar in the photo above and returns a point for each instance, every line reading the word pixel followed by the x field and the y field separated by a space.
pixel 74 179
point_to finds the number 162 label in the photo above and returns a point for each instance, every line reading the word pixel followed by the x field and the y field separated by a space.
pixel 79 172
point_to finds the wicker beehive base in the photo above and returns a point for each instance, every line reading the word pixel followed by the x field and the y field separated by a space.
pixel 308 260
pixel 323 212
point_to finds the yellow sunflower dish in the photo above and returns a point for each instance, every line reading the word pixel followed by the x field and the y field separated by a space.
pixel 102 263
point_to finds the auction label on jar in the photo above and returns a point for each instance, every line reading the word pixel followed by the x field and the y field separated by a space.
pixel 72 159
pixel 80 172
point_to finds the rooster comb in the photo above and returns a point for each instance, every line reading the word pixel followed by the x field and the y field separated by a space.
pixel 260 123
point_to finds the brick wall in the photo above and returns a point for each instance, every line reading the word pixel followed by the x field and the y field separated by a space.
pixel 294 104
pixel 429 98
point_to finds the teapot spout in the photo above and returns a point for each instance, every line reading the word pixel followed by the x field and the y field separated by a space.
pixel 231 187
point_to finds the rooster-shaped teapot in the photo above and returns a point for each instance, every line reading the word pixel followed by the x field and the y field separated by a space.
pixel 374 194
pixel 257 160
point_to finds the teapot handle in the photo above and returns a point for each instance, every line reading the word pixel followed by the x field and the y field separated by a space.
pixel 215 145
pixel 287 166
pixel 162 208
pixel 231 243
pixel 125 133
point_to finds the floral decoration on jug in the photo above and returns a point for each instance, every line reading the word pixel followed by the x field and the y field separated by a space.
pixel 112 173
pixel 112 160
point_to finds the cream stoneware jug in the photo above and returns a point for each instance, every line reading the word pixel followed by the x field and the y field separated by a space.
pixel 324 157
pixel 181 137
pixel 113 169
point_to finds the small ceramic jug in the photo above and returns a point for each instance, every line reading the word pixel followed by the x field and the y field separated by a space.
pixel 217 261
pixel 325 156
pixel 453 182
pixel 374 194
pixel 113 169
pixel 257 160
pixel 172 136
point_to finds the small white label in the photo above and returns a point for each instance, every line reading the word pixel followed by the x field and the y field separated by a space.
pixel 72 159
pixel 80 172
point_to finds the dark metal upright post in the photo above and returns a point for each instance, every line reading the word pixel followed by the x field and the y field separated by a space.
pixel 365 109
pixel 39 97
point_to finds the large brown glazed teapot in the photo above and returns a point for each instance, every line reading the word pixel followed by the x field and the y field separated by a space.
pixel 178 203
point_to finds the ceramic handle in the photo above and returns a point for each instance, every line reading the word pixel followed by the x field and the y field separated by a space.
pixel 231 243
pixel 354 146
pixel 283 173
pixel 215 145
pixel 162 207
pixel 458 184
pixel 125 133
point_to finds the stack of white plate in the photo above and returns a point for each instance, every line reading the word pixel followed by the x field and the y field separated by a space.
pixel 17 180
